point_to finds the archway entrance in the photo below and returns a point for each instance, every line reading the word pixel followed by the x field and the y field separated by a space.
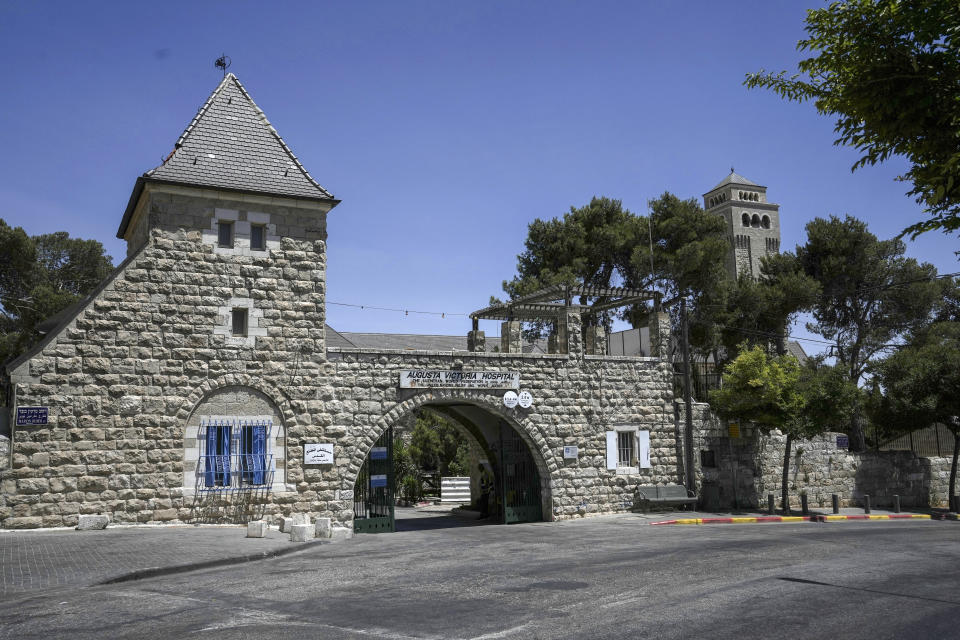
pixel 516 473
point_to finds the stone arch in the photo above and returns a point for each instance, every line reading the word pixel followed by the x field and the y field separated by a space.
pixel 269 402
pixel 546 462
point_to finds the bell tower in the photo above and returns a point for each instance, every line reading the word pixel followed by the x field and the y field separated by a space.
pixel 753 223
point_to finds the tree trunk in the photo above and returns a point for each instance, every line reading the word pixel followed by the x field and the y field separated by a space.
pixel 784 498
pixel 953 471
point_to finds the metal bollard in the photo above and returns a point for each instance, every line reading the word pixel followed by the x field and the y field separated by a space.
pixel 835 499
pixel 896 504
pixel 771 505
pixel 803 504
pixel 866 503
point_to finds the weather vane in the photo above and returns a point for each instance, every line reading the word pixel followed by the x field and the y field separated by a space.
pixel 223 63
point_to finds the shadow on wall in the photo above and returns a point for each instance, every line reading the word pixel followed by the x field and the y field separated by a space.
pixel 884 474
pixel 229 508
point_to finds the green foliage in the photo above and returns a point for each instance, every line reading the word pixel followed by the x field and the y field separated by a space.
pixel 436 445
pixel 602 244
pixel 888 71
pixel 761 389
pixel 39 277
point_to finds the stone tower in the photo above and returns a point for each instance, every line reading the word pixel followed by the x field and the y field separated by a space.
pixel 753 223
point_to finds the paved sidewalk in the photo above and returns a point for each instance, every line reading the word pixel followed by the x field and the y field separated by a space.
pixel 761 517
pixel 38 560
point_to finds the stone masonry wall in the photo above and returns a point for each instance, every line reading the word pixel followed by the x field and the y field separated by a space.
pixel 750 467
pixel 122 378
pixel 127 380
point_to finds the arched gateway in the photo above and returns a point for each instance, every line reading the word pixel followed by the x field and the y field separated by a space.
pixel 520 460
pixel 203 366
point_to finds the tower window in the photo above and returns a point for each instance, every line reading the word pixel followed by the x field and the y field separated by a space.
pixel 765 222
pixel 225 233
pixel 745 219
pixel 239 325
pixel 258 237
pixel 755 221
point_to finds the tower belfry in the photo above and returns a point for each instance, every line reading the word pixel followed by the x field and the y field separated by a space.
pixel 753 223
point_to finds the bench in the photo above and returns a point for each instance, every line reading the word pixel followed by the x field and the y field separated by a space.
pixel 668 495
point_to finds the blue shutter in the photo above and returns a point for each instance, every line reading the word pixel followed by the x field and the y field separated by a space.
pixel 259 457
pixel 223 454
pixel 209 455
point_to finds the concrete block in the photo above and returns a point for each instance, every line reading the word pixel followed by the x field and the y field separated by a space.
pixel 341 533
pixel 256 529
pixel 323 528
pixel 293 519
pixel 286 524
pixel 301 533
pixel 92 523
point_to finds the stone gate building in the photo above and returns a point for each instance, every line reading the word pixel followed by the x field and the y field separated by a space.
pixel 196 384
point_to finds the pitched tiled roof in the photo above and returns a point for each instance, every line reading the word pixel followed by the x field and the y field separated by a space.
pixel 735 178
pixel 231 145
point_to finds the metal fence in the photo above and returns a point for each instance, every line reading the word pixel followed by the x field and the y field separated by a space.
pixel 935 441
pixel 703 378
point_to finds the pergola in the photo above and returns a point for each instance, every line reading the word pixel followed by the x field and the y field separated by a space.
pixel 553 303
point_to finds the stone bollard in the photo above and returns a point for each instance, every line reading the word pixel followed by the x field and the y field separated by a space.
pixel 835 499
pixel 92 523
pixel 771 504
pixel 301 533
pixel 896 504
pixel 866 503
pixel 256 529
pixel 323 528
pixel 341 533
pixel 295 518
pixel 803 504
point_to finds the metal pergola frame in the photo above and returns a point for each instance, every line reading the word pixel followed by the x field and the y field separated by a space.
pixel 553 303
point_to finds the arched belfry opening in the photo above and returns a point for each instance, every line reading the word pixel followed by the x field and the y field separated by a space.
pixel 502 447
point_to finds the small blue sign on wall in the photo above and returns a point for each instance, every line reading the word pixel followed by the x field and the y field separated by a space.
pixel 378 453
pixel 378 481
pixel 27 416
pixel 843 442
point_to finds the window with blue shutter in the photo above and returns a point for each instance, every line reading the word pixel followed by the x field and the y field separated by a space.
pixel 235 455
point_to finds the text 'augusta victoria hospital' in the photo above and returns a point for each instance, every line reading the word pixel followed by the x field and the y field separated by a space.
pixel 200 383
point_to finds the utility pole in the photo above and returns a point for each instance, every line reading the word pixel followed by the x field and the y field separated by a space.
pixel 687 398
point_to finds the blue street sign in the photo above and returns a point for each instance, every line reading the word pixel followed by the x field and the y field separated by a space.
pixel 843 442
pixel 27 416
pixel 378 453
pixel 378 481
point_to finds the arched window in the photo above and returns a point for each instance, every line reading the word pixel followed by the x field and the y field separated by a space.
pixel 766 222
pixel 755 221
pixel 745 218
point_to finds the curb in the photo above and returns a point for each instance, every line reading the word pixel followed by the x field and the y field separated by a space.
pixel 154 572
pixel 746 520
pixel 894 516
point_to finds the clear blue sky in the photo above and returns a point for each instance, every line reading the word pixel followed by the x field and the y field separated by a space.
pixel 445 127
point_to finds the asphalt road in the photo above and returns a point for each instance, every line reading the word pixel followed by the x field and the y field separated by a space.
pixel 614 577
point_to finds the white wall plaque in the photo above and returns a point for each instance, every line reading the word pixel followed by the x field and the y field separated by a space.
pixel 510 399
pixel 571 452
pixel 437 379
pixel 317 453
pixel 525 399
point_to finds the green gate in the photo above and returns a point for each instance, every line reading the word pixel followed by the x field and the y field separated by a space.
pixel 373 492
pixel 518 479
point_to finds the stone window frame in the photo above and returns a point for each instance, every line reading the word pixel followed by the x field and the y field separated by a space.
pixel 633 429
pixel 255 323
pixel 276 446
pixel 239 322
pixel 241 232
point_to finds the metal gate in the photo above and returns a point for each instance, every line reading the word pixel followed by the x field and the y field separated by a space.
pixel 519 480
pixel 373 493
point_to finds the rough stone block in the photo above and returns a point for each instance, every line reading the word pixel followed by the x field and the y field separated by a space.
pixel 341 533
pixel 256 529
pixel 323 528
pixel 301 533
pixel 286 524
pixel 92 522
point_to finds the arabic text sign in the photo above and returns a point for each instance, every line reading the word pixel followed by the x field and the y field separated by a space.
pixel 438 379
pixel 318 453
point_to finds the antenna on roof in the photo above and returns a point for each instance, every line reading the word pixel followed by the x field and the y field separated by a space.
pixel 223 63
pixel 731 169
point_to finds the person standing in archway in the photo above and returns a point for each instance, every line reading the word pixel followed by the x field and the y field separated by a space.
pixel 486 490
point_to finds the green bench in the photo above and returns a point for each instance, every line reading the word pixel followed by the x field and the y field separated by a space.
pixel 671 495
